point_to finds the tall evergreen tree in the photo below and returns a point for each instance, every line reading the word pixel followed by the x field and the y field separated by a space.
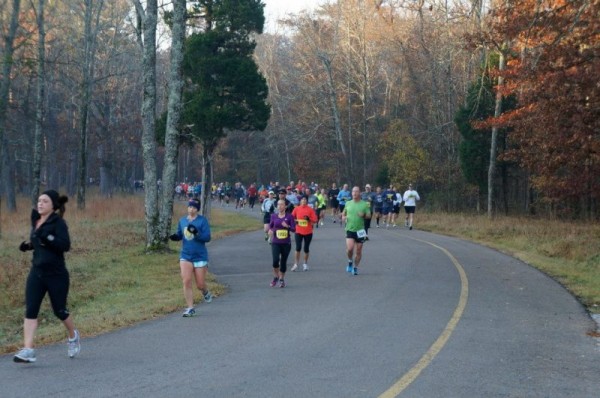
pixel 227 91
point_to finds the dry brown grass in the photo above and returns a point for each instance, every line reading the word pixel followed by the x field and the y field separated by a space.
pixel 113 282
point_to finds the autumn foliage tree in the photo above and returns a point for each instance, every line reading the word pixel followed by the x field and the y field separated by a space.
pixel 554 73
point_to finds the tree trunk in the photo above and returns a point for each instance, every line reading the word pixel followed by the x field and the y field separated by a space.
pixel 173 117
pixel 207 155
pixel 494 141
pixel 148 19
pixel 7 62
pixel 39 108
pixel 86 93
pixel 334 108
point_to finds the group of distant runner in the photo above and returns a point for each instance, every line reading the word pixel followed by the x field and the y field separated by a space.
pixel 298 208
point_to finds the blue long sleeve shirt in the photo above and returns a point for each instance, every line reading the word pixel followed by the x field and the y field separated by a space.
pixel 194 246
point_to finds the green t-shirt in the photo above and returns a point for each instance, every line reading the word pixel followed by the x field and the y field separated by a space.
pixel 353 221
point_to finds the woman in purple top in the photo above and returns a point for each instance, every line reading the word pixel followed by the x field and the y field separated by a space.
pixel 280 228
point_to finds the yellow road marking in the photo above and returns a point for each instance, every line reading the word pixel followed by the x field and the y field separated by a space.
pixel 441 341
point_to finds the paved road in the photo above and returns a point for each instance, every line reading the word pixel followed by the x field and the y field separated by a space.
pixel 429 316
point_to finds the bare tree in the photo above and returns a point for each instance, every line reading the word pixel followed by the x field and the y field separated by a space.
pixel 91 26
pixel 147 22
pixel 7 63
pixel 39 109
pixel 173 117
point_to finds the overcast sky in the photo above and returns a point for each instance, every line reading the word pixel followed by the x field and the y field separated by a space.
pixel 279 8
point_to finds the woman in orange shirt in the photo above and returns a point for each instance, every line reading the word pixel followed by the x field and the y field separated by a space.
pixel 305 218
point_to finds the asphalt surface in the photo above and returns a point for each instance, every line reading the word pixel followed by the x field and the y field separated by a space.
pixel 428 316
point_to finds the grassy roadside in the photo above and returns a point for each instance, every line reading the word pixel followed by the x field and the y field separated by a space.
pixel 113 282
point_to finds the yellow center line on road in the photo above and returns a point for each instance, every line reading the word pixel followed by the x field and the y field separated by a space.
pixel 441 341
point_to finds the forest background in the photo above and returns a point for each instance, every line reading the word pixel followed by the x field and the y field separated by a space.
pixel 475 102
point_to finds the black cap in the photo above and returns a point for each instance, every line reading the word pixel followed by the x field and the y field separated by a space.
pixel 53 195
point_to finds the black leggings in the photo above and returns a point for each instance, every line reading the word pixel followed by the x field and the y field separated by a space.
pixel 57 287
pixel 306 239
pixel 280 255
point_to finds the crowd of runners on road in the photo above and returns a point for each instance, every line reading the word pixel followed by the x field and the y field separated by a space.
pixel 296 208
pixel 288 209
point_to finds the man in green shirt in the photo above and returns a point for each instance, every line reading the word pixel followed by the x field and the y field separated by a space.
pixel 354 215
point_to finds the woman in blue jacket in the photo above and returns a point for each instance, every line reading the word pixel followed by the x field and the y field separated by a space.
pixel 194 231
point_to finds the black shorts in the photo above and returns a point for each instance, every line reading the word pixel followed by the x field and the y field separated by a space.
pixel 334 203
pixel 396 209
pixel 354 236
pixel 409 209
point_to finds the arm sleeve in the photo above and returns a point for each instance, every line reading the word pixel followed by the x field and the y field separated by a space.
pixel 179 230
pixel 204 231
pixel 62 240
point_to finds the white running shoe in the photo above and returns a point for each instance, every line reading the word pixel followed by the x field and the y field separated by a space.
pixel 304 267
pixel 26 355
pixel 294 268
pixel 189 312
pixel 74 345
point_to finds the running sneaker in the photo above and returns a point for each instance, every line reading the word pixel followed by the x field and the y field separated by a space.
pixel 410 227
pixel 208 297
pixel 294 267
pixel 74 345
pixel 355 271
pixel 274 282
pixel 304 267
pixel 349 268
pixel 26 355
pixel 281 283
pixel 189 312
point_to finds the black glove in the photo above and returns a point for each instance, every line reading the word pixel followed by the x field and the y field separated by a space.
pixel 175 237
pixel 25 246
pixel 192 229
pixel 307 218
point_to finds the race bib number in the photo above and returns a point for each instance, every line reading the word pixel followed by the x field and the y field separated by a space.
pixel 302 223
pixel 282 233
pixel 361 233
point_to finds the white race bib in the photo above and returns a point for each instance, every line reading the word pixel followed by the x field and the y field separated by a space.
pixel 361 233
